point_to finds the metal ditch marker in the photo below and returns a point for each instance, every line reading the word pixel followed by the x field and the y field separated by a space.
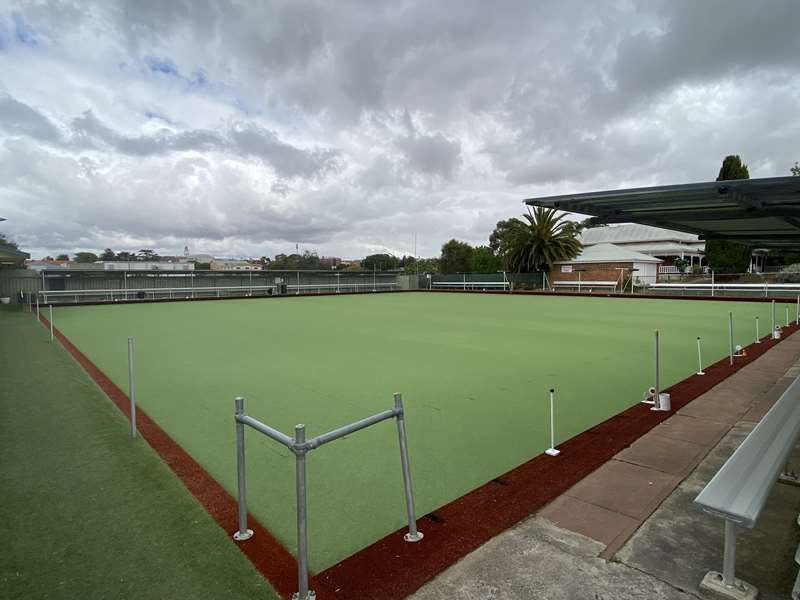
pixel 300 446
pixel 551 451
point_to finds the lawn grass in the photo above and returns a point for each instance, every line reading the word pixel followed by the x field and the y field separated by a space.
pixel 474 371
pixel 86 512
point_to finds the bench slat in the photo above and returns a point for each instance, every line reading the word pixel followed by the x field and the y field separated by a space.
pixel 740 488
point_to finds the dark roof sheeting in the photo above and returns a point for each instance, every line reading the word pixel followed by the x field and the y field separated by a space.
pixel 760 212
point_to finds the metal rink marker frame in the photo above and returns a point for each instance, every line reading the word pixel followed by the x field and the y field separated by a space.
pixel 301 446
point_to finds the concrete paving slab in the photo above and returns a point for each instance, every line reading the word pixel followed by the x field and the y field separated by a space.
pixel 587 519
pixel 538 561
pixel 625 488
pixel 724 407
pixel 668 455
pixel 678 544
pixel 690 429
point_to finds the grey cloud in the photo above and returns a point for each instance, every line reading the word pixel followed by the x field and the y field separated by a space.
pixel 508 100
pixel 243 139
pixel 20 119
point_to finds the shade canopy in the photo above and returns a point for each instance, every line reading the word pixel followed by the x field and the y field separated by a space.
pixel 758 212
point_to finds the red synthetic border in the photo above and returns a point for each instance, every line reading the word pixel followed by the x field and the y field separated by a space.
pixel 391 568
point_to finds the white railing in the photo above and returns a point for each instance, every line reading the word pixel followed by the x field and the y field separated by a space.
pixel 179 293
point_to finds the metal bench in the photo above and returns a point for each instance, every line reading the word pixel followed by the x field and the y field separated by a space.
pixel 585 284
pixel 471 285
pixel 739 490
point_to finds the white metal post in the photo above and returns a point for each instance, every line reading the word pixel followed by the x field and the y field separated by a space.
pixel 51 322
pixel 712 283
pixel 797 318
pixel 772 331
pixel 657 397
pixel 38 318
pixel 758 335
pixel 551 451
pixel 131 387
pixel 787 315
pixel 699 359
pixel 730 336
pixel 298 284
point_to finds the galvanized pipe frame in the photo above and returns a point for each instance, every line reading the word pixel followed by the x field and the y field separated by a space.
pixel 300 446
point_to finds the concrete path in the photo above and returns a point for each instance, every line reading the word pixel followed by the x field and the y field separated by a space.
pixel 629 530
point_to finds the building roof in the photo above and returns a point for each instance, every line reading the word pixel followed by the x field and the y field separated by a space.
pixel 11 256
pixel 634 232
pixel 760 212
pixel 609 253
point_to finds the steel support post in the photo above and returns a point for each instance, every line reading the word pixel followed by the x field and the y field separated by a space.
pixel 243 533
pixel 413 535
pixel 51 322
pixel 729 557
pixel 758 335
pixel 303 593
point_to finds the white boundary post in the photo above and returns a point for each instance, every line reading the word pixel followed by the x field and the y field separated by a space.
pixel 551 451
pixel 131 387
pixel 787 315
pixel 38 318
pixel 51 322
pixel 758 336
pixel 657 382
pixel 797 318
pixel 772 331
pixel 730 336
pixel 699 359
pixel 712 284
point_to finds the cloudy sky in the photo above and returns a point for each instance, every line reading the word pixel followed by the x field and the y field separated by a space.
pixel 244 128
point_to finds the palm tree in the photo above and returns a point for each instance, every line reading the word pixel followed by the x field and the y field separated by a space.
pixel 542 239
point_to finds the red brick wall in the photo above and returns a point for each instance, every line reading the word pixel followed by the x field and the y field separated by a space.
pixel 592 272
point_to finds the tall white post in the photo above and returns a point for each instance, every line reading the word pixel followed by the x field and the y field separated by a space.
pixel 730 336
pixel 758 335
pixel 712 283
pixel 772 331
pixel 131 387
pixel 51 322
pixel 699 359
pixel 552 449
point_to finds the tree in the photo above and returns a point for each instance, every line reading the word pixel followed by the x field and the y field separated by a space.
pixel 380 262
pixel 62 257
pixel 108 254
pixel 7 243
pixel 485 261
pixel 85 257
pixel 147 255
pixel 724 256
pixel 422 265
pixel 796 169
pixel 124 256
pixel 456 257
pixel 733 168
pixel 544 237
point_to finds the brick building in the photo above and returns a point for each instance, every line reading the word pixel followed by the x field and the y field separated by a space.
pixel 605 265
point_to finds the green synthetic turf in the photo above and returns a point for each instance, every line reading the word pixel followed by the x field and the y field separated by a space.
pixel 86 512
pixel 474 371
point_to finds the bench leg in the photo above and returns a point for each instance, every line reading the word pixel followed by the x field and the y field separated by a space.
pixel 725 584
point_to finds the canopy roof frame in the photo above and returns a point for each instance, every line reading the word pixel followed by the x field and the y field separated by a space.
pixel 759 212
